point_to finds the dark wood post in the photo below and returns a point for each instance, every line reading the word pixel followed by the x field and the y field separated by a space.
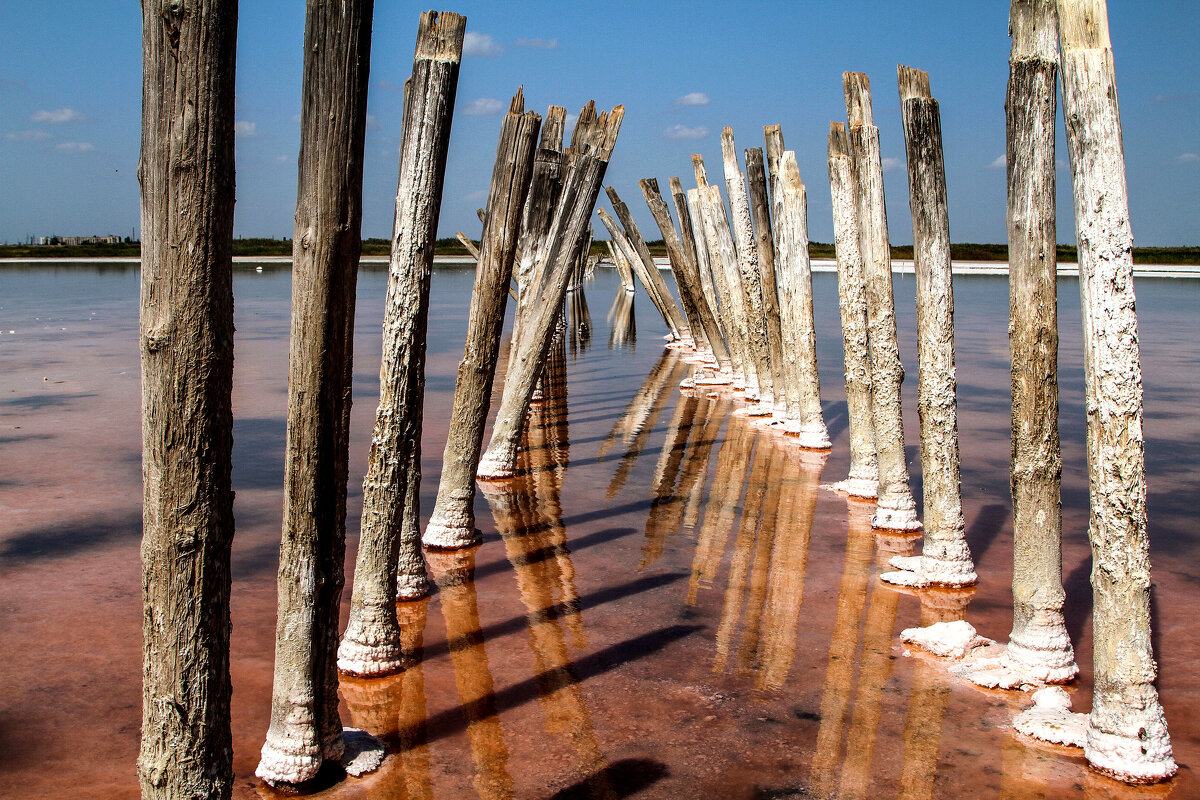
pixel 390 538
pixel 186 331
pixel 678 262
pixel 677 321
pixel 622 243
pixel 945 559
pixel 895 509
pixel 452 524
pixel 863 478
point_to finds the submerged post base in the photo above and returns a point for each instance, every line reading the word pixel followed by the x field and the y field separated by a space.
pixel 866 488
pixel 446 535
pixel 919 572
pixel 953 640
pixel 1040 655
pixel 358 754
pixel 1127 736
pixel 367 659
pixel 1050 719
pixel 896 514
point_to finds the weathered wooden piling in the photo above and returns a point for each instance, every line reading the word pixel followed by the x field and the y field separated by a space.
pixel 802 383
pixel 622 243
pixel 622 266
pixel 863 477
pixel 390 538
pixel 750 282
pixel 697 252
pixel 1127 731
pixel 895 509
pixel 764 241
pixel 945 558
pixel 452 524
pixel 678 322
pixel 186 337
pixel 591 146
pixel 305 727
pixel 687 278
pixel 723 255
pixel 691 201
pixel 1039 647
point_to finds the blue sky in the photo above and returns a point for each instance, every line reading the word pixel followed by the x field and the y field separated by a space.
pixel 70 94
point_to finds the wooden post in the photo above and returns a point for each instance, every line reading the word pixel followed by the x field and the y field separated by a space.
pixel 688 276
pixel 587 158
pixel 945 559
pixel 1127 730
pixel 622 266
pixel 895 509
pixel 723 255
pixel 750 282
pixel 472 250
pixel 863 479
pixel 698 254
pixel 760 211
pixel 691 202
pixel 621 242
pixel 794 273
pixel 186 335
pixel 305 727
pixel 678 262
pixel 452 524
pixel 677 320
pixel 1039 647
pixel 390 538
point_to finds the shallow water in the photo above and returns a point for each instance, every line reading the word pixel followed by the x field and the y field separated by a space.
pixel 668 605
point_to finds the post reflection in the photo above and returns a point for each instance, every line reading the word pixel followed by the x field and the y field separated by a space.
pixel 622 329
pixel 634 427
pixel 723 497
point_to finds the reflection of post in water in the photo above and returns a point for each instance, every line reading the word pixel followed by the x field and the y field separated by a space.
pixel 789 563
pixel 551 608
pixel 579 318
pixel 664 499
pixel 722 501
pixel 454 573
pixel 930 694
pixel 839 675
pixel 622 330
pixel 767 497
pixel 744 550
pixel 695 468
pixel 639 418
pixel 875 669
pixel 393 708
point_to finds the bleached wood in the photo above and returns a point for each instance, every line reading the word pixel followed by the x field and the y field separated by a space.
pixel 452 524
pixel 863 477
pixel 186 175
pixel 895 509
pixel 678 323
pixel 637 267
pixel 945 558
pixel 706 292
pixel 764 240
pixel 723 256
pixel 1127 729
pixel 677 261
pixel 389 561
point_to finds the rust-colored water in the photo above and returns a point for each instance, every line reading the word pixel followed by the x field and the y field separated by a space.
pixel 668 605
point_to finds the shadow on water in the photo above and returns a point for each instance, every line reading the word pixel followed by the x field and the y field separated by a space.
pixel 69 538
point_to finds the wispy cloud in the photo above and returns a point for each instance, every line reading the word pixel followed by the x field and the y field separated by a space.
pixel 483 106
pixel 1174 98
pixel 540 44
pixel 684 132
pixel 75 147
pixel 245 129
pixel 999 162
pixel 890 164
pixel 481 44
pixel 475 197
pixel 58 115
pixel 27 136
pixel 1187 158
pixel 693 99
pixel 391 86
pixel 372 123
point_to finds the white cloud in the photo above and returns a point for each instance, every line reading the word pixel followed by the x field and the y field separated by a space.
pixel 693 99
pixel 391 86
pixel 481 44
pixel 540 44
pixel 483 107
pixel 372 123
pixel 295 118
pixel 245 129
pixel 1187 158
pixel 75 147
pixel 891 164
pixel 27 136
pixel 475 197
pixel 999 162
pixel 58 115
pixel 684 132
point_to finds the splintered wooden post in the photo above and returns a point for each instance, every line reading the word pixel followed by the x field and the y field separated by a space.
pixel 452 524
pixel 759 386
pixel 687 278
pixel 677 321
pixel 691 202
pixel 677 260
pixel 863 478
pixel 723 257
pixel 1039 647
pixel 637 266
pixel 703 292
pixel 389 563
pixel 945 559
pixel 760 212
pixel 622 266
pixel 1127 730
pixel 186 337
pixel 805 418
pixel 305 727
pixel 587 158
pixel 895 509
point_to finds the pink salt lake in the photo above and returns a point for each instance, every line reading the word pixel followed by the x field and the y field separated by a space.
pixel 668 605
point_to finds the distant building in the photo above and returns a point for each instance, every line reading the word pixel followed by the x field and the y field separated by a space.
pixel 78 240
